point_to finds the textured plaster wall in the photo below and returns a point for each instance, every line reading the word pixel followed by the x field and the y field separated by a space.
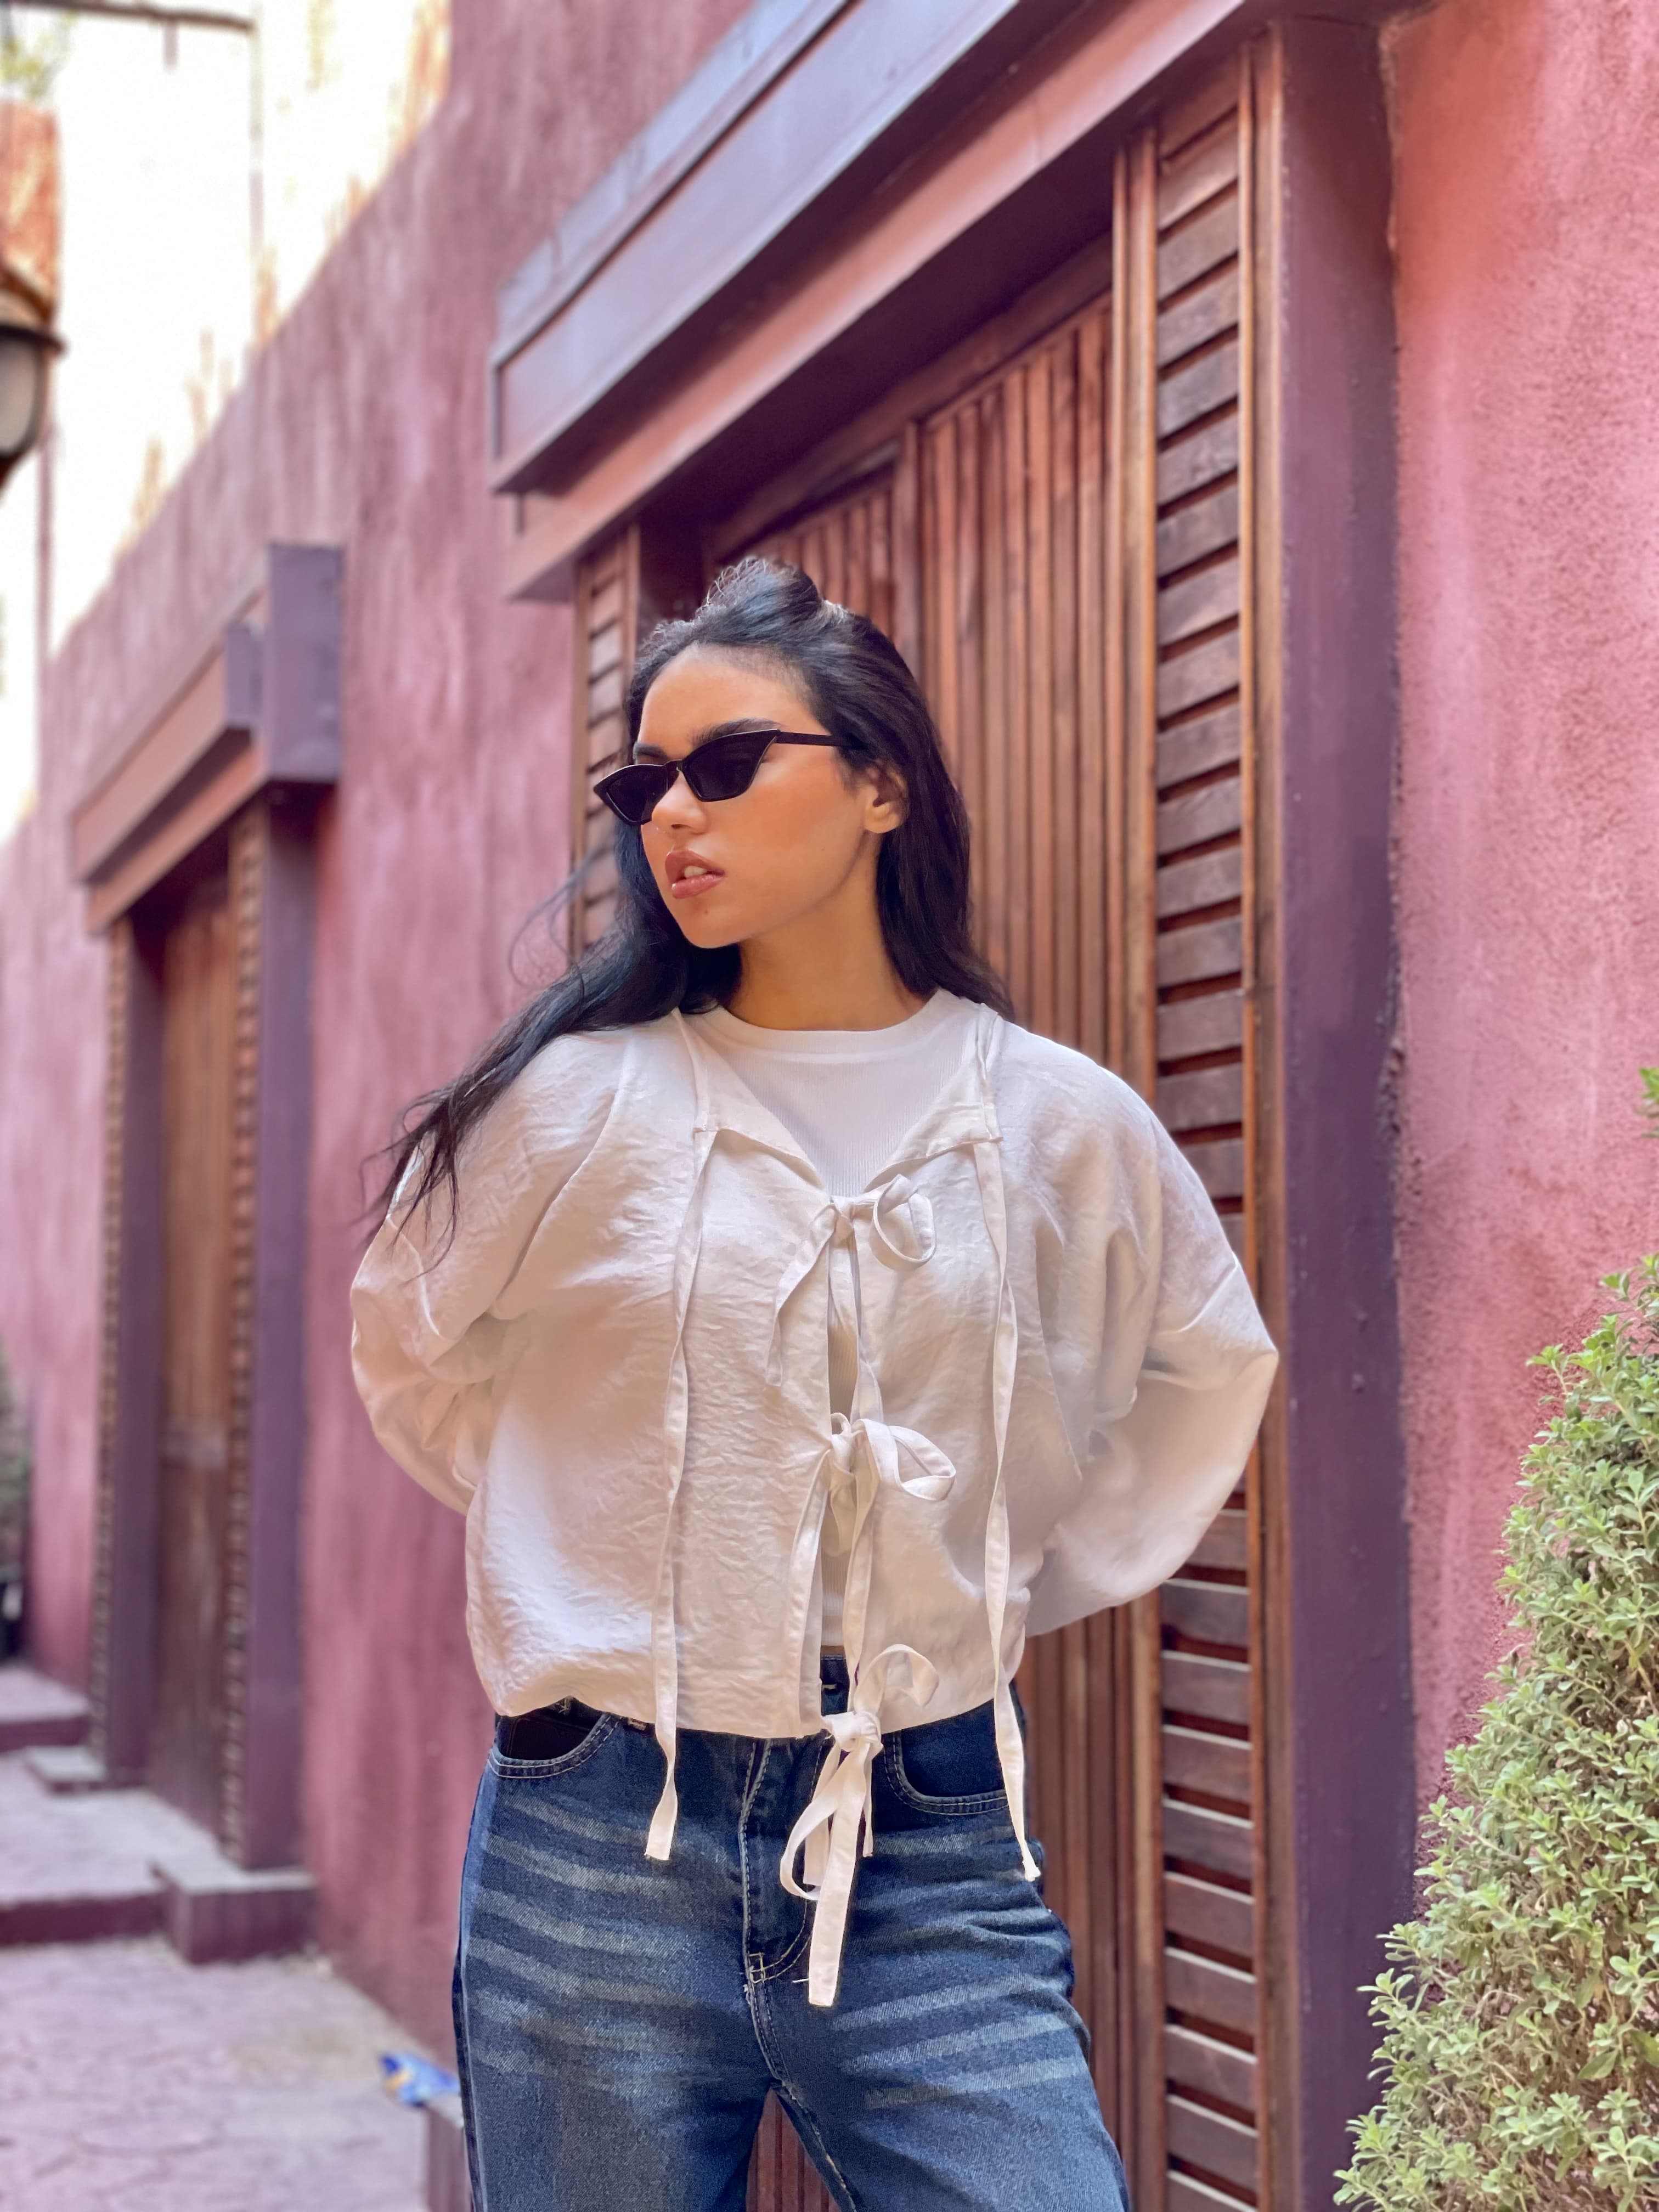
pixel 1526 222
pixel 361 425
pixel 52 1077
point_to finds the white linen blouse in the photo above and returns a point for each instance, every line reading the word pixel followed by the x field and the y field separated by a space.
pixel 615 1361
pixel 850 1098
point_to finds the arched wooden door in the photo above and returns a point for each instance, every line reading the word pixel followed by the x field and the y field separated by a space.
pixel 1054 539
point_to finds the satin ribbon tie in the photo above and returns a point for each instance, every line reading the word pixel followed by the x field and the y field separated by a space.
pixel 837 1822
pixel 886 1445
pixel 901 1224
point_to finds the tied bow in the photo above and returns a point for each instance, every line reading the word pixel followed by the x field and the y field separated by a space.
pixel 881 1443
pixel 901 1223
pixel 838 1816
pixel 862 1454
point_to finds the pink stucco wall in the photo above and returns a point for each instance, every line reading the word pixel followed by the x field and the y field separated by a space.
pixel 52 1049
pixel 361 426
pixel 1526 215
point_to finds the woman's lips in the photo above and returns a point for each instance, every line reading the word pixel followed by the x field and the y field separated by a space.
pixel 688 873
pixel 687 877
pixel 689 886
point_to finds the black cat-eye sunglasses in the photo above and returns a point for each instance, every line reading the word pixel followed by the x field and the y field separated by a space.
pixel 720 768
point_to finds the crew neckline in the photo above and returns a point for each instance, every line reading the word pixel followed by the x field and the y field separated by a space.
pixel 816 1045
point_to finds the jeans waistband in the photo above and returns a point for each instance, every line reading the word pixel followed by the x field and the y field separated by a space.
pixel 833 1683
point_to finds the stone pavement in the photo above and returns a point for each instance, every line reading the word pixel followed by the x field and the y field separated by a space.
pixel 132 2082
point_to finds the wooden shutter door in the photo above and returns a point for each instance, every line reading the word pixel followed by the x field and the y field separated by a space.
pixel 1195 1691
pixel 607 626
pixel 847 547
pixel 204 945
pixel 198 1008
pixel 624 586
pixel 1015 497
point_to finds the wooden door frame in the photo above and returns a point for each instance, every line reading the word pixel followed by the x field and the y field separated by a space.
pixel 232 761
pixel 1334 1568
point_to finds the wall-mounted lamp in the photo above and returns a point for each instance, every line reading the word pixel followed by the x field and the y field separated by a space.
pixel 28 345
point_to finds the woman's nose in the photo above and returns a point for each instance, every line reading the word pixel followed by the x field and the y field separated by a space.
pixel 678 805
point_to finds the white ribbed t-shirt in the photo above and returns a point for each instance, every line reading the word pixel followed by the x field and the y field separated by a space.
pixel 848 1097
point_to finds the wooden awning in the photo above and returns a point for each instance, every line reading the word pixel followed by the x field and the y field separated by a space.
pixel 844 188
pixel 255 703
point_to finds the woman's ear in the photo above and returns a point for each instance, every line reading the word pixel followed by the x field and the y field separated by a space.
pixel 888 801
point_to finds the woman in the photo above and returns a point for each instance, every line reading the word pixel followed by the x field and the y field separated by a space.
pixel 796 1333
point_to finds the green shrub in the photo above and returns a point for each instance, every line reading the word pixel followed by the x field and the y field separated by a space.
pixel 1520 2017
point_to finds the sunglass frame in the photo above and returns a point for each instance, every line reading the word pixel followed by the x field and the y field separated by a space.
pixel 639 774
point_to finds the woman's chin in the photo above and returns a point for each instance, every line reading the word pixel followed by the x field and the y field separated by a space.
pixel 708 932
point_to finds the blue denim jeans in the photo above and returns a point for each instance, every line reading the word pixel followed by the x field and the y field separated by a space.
pixel 620 2021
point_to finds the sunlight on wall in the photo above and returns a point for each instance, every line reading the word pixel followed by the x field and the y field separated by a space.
pixel 200 194
pixel 348 85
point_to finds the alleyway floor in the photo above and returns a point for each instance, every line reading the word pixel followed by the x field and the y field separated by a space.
pixel 132 2081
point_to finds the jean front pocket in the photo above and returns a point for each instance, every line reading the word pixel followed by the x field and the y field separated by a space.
pixel 551 1741
pixel 943 1770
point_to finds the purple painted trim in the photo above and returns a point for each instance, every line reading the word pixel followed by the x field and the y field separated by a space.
pixel 738 71
pixel 124 1725
pixel 1350 1696
pixel 300 690
pixel 276 1423
pixel 175 783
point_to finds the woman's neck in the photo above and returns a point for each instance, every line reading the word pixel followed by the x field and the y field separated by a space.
pixel 822 980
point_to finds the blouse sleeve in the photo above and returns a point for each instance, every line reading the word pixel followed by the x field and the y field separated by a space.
pixel 427 1338
pixel 1184 1367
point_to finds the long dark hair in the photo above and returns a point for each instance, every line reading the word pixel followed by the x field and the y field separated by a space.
pixel 859 687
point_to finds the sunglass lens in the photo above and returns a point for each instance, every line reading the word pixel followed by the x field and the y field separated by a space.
pixel 632 792
pixel 725 767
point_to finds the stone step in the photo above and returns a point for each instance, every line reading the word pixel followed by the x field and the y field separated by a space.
pixel 81 1916
pixel 35 1710
pixel 81 1863
pixel 66 1769
pixel 212 1909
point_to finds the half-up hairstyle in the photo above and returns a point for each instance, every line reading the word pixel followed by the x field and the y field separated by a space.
pixel 858 686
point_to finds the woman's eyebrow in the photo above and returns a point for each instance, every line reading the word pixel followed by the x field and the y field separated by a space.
pixel 744 727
